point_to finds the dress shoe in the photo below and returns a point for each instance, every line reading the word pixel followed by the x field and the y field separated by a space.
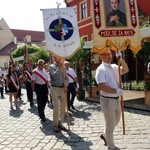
pixel 31 104
pixel 20 98
pixel 113 148
pixel 17 107
pixel 11 107
pixel 61 127
pixel 43 119
pixel 72 107
pixel 103 138
pixel 56 129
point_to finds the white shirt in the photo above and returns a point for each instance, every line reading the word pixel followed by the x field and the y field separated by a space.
pixel 1 72
pixel 37 79
pixel 5 73
pixel 108 74
pixel 72 73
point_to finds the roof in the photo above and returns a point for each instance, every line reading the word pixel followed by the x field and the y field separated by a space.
pixel 9 48
pixel 144 7
pixel 36 36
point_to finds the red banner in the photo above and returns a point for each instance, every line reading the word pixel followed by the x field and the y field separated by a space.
pixel 116 33
pixel 133 13
pixel 97 18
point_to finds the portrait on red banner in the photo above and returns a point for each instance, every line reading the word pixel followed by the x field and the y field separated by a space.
pixel 115 13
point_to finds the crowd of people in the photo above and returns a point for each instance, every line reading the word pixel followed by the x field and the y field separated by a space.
pixel 58 81
pixel 49 83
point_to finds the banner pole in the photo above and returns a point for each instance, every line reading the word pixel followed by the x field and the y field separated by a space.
pixel 62 36
pixel 122 104
pixel 65 92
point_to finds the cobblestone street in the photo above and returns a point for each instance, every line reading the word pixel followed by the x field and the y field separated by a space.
pixel 22 130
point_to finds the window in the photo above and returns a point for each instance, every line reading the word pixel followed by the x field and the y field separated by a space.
pixel 83 10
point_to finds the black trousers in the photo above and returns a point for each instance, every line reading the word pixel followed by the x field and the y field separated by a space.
pixel 71 92
pixel 42 98
pixel 6 90
pixel 29 92
pixel 1 91
pixel 19 90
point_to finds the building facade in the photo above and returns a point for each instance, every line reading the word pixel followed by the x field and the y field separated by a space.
pixel 85 24
pixel 10 39
pixel 84 17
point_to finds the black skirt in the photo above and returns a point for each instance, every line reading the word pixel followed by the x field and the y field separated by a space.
pixel 11 88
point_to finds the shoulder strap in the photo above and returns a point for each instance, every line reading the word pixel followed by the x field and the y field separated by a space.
pixel 70 76
pixel 38 74
pixel 28 74
pixel 13 83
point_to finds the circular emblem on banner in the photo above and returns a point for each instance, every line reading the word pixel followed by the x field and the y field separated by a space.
pixel 61 29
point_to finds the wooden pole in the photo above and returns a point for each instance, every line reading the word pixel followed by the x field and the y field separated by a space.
pixel 50 96
pixel 122 104
pixel 65 87
pixel 120 85
pixel 68 117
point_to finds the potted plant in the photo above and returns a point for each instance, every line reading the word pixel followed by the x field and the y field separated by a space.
pixel 94 92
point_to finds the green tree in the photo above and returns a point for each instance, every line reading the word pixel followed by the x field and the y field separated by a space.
pixel 80 56
pixel 20 51
pixel 41 54
pixel 38 53
pixel 145 52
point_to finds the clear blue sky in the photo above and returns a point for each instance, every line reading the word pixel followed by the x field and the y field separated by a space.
pixel 26 14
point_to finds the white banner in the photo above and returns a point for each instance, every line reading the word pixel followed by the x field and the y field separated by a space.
pixel 61 31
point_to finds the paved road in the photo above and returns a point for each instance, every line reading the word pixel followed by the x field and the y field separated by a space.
pixel 22 130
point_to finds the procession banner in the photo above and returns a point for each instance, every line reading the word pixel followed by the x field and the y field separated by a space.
pixel 116 28
pixel 61 31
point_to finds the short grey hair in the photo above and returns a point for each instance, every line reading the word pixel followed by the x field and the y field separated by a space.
pixel 66 62
pixel 40 60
